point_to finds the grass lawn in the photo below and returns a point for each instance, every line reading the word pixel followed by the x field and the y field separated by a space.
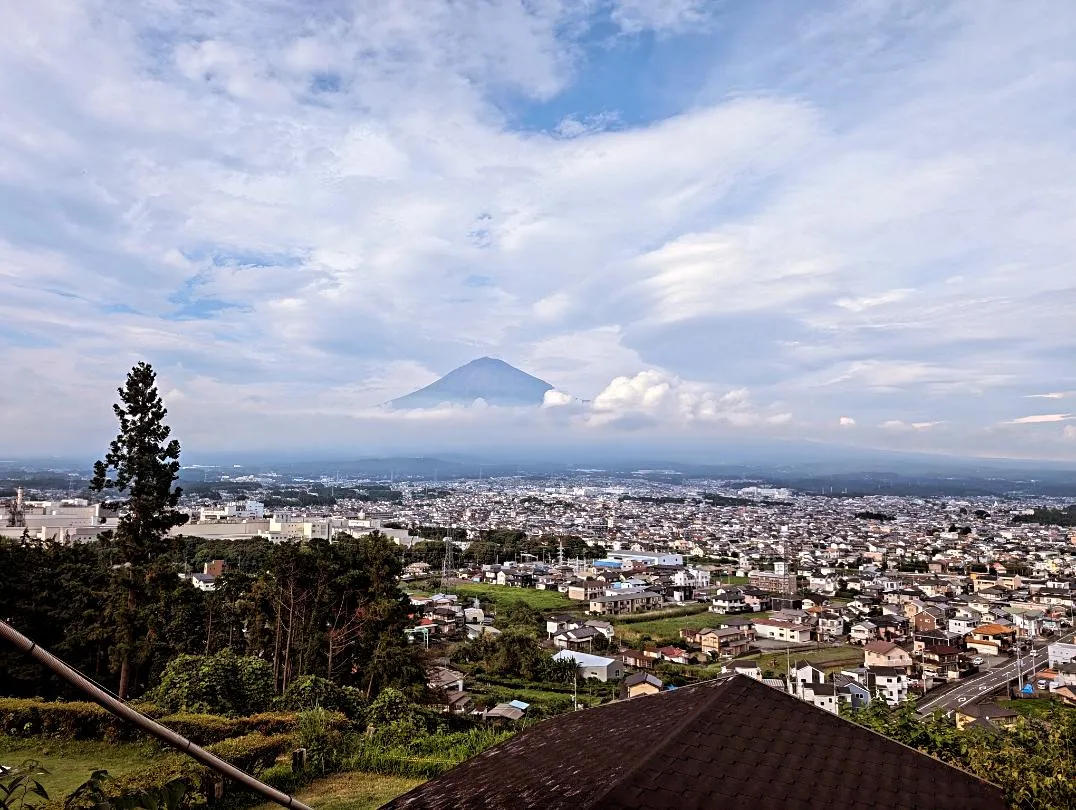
pixel 500 595
pixel 69 762
pixel 356 790
pixel 670 628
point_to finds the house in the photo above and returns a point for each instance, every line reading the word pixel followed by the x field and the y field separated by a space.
pixel 749 669
pixel 804 673
pixel 891 683
pixel 581 638
pixel 862 632
pixel 782 631
pixel 941 662
pixel 992 639
pixel 615 604
pixel 455 703
pixel 587 589
pixel 732 742
pixel 830 625
pixel 851 692
pixel 885 654
pixel 510 712
pixel 593 666
pixel 640 683
pixel 559 623
pixel 729 600
pixel 730 641
pixel 444 679
pixel 674 654
pixel 822 695
pixel 984 714
pixel 636 659
pixel 604 628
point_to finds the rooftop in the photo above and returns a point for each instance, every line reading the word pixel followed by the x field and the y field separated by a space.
pixel 727 743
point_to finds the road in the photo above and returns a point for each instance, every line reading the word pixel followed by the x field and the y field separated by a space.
pixel 979 686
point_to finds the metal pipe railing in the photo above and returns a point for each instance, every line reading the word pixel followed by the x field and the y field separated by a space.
pixel 162 733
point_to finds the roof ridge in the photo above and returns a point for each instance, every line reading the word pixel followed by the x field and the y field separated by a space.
pixel 686 721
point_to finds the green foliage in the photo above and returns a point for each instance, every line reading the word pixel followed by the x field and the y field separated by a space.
pixel 1034 760
pixel 423 755
pixel 93 795
pixel 224 683
pixel 517 614
pixel 323 741
pixel 19 784
pixel 21 717
pixel 312 692
pixel 1049 517
pixel 141 465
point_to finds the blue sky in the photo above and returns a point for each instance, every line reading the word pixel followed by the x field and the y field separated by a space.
pixel 844 222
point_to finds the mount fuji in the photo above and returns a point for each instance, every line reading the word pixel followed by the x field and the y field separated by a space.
pixel 489 379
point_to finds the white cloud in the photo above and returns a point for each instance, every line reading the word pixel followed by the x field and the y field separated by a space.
pixel 557 399
pixel 1069 432
pixel 1042 418
pixel 634 16
pixel 1054 395
pixel 846 421
pixel 281 207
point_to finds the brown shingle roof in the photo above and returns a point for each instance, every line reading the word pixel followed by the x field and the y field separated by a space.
pixel 724 744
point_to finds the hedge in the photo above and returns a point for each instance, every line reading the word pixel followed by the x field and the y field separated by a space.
pixel 88 721
pixel 252 753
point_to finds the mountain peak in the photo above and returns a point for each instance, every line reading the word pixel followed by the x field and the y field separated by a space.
pixel 487 378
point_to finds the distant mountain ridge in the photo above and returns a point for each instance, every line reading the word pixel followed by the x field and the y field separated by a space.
pixel 493 381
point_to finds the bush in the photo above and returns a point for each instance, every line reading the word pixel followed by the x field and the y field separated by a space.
pixel 87 721
pixel 324 743
pixel 224 683
pixel 24 717
pixel 311 692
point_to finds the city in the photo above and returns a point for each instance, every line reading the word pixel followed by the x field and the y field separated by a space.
pixel 537 405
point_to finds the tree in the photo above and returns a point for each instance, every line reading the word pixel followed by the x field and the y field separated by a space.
pixel 145 465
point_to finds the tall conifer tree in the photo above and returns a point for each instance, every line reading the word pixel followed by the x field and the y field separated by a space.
pixel 143 464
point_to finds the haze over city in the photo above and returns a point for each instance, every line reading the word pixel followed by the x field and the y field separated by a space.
pixel 841 223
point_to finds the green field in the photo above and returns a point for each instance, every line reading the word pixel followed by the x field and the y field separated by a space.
pixel 828 659
pixel 355 790
pixel 69 763
pixel 500 595
pixel 669 629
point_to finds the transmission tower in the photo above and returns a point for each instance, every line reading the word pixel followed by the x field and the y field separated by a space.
pixel 446 563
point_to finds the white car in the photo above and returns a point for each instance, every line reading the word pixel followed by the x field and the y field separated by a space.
pixel 978 660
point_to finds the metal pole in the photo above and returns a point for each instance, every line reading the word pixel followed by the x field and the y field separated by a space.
pixel 162 733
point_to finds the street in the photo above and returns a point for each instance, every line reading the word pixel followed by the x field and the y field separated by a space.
pixel 975 688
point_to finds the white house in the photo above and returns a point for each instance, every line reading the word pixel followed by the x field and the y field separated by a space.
pixel 782 631
pixel 729 600
pixel 593 666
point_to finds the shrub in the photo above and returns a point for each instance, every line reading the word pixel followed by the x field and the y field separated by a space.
pixel 224 683
pixel 76 721
pixel 324 743
pixel 311 692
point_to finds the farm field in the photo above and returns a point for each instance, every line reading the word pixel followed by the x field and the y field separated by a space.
pixel 828 659
pixel 669 628
pixel 502 594
pixel 70 762
pixel 354 790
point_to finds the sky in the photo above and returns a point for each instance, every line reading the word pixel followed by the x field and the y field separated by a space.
pixel 848 223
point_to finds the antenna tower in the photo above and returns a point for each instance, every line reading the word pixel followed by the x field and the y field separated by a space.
pixel 446 563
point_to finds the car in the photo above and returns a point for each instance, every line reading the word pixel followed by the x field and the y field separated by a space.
pixel 1041 683
pixel 978 660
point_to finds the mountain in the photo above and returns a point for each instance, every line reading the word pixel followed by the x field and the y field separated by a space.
pixel 486 378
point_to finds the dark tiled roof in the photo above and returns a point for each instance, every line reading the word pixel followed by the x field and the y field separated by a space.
pixel 730 743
